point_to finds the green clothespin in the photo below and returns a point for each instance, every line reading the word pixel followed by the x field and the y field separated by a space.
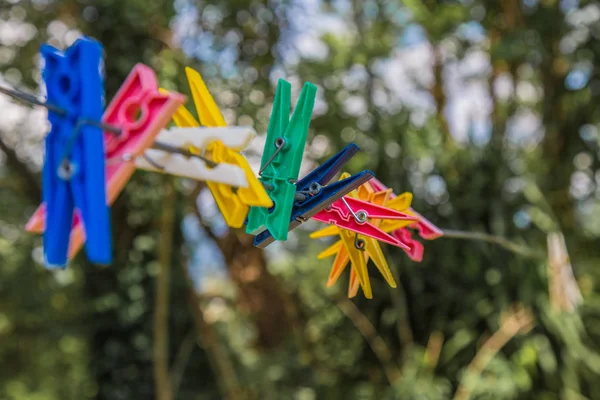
pixel 281 160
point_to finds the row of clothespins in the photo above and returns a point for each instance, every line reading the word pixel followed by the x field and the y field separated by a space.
pixel 92 152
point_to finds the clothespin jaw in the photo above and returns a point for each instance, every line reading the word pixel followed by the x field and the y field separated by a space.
pixel 415 248
pixel 427 230
pixel 208 111
pixel 281 160
pixel 326 171
pixel 140 112
pixel 317 194
pixel 424 227
pixel 73 174
pixel 234 192
pixel 315 204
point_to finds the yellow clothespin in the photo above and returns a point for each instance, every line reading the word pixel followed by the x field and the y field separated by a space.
pixel 347 248
pixel 234 203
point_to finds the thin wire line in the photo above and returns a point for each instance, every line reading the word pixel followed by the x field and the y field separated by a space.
pixel 498 240
pixel 29 98
pixel 153 163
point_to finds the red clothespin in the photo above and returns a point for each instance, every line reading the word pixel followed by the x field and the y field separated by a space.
pixel 354 214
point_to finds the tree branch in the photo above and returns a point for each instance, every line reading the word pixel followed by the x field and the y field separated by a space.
pixel 222 366
pixel 515 322
pixel 376 342
pixel 161 303
pixel 181 360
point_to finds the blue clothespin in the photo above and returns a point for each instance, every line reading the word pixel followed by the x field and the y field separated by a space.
pixel 74 168
pixel 313 194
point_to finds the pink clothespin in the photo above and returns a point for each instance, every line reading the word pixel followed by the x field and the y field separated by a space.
pixel 354 214
pixel 138 112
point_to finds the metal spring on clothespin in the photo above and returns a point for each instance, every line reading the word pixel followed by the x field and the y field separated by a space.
pixel 360 217
pixel 314 189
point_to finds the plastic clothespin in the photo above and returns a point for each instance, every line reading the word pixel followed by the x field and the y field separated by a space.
pixel 281 159
pixel 235 187
pixel 315 193
pixel 354 214
pixel 356 249
pixel 398 228
pixel 73 173
pixel 140 112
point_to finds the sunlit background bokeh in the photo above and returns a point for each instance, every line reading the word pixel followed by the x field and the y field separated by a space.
pixel 488 112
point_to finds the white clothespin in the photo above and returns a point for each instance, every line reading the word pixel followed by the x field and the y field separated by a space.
pixel 234 137
pixel 197 167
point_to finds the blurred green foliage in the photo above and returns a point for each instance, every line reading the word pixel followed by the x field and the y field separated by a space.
pixel 272 331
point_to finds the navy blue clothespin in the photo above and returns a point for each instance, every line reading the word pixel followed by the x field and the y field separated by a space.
pixel 313 194
pixel 74 168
